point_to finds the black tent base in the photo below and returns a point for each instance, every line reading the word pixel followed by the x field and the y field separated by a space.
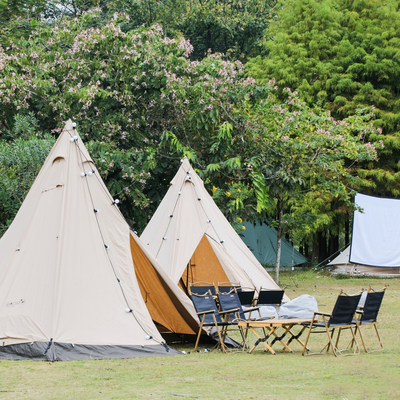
pixel 53 351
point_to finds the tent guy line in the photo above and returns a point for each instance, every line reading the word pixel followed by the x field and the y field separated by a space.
pixel 82 154
pixel 176 203
pixel 169 222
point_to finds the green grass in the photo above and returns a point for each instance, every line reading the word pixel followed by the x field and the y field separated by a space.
pixel 235 375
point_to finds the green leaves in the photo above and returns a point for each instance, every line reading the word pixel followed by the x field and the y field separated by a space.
pixel 342 56
pixel 20 162
pixel 260 188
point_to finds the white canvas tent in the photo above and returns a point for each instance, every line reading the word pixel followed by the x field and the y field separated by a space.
pixel 193 241
pixel 68 289
pixel 342 265
pixel 376 231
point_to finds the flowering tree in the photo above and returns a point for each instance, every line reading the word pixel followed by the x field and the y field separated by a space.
pixel 140 102
pixel 127 91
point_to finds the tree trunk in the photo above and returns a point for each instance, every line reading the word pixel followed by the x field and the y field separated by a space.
pixel 315 249
pixel 333 244
pixel 305 250
pixel 347 230
pixel 323 247
pixel 278 244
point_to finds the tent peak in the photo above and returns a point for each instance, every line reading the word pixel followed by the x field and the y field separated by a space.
pixel 186 164
pixel 70 125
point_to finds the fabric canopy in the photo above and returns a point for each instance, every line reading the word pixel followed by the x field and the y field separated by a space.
pixel 376 232
pixel 192 240
pixel 169 307
pixel 261 239
pixel 68 289
pixel 342 265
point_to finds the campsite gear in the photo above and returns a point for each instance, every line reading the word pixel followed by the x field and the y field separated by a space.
pixel 341 318
pixel 68 289
pixel 367 315
pixel 169 307
pixel 230 301
pixel 200 288
pixel 209 316
pixel 246 297
pixel 193 241
pixel 227 287
pixel 268 301
pixel 267 297
pixel 270 328
pixel 302 307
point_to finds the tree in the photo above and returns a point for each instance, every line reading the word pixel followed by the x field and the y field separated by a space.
pixel 305 160
pixel 232 27
pixel 20 162
pixel 342 55
pixel 126 91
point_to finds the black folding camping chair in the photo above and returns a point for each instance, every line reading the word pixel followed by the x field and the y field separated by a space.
pixel 341 318
pixel 210 316
pixel 367 315
pixel 230 304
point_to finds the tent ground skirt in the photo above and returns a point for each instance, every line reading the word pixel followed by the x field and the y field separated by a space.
pixel 43 351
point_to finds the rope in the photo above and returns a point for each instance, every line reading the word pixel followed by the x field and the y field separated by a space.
pixel 169 222
pixel 174 208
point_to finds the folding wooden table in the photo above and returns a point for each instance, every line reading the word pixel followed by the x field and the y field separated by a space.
pixel 272 326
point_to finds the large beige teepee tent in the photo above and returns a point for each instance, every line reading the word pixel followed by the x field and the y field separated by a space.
pixel 68 289
pixel 193 241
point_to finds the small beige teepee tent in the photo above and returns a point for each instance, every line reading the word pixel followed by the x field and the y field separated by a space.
pixel 68 290
pixel 193 241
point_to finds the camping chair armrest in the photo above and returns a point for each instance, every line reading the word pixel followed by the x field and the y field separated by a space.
pixel 358 315
pixel 205 312
pixel 251 309
pixel 321 313
pixel 229 311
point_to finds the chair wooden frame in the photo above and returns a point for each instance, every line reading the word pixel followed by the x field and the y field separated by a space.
pixel 225 287
pixel 367 316
pixel 340 319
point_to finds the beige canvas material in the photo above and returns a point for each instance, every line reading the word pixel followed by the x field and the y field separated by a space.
pixel 186 214
pixel 169 307
pixel 57 278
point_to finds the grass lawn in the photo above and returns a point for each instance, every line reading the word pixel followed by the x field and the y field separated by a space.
pixel 234 375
